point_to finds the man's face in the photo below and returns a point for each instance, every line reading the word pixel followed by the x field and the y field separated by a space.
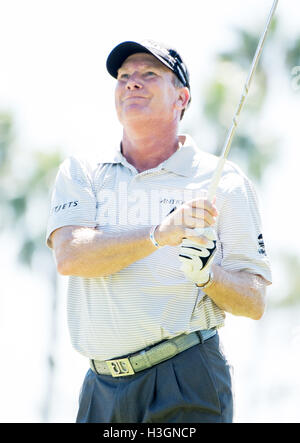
pixel 145 90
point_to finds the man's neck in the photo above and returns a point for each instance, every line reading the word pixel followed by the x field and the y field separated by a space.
pixel 148 150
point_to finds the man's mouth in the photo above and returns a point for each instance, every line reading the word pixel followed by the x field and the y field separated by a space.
pixel 134 97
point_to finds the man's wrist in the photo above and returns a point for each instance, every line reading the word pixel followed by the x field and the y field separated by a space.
pixel 209 282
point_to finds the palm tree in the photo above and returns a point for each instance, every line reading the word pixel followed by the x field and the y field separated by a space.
pixel 20 194
pixel 222 94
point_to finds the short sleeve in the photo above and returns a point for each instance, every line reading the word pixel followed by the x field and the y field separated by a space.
pixel 73 200
pixel 240 228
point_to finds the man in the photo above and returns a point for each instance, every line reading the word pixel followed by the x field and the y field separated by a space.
pixel 153 264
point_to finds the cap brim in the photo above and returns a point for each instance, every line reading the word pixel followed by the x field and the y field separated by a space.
pixel 120 53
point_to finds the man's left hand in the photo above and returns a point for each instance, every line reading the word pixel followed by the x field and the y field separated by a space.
pixel 196 260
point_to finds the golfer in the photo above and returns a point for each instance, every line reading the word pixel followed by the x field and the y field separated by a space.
pixel 153 266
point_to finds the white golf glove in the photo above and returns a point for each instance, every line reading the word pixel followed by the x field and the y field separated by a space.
pixel 196 259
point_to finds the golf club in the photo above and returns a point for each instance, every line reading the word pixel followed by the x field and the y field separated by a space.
pixel 218 172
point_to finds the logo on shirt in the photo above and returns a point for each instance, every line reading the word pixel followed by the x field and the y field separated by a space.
pixel 261 245
pixel 171 201
pixel 64 206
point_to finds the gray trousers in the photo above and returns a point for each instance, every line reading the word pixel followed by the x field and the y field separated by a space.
pixel 192 387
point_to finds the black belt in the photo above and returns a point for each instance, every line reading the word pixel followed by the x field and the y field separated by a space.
pixel 146 359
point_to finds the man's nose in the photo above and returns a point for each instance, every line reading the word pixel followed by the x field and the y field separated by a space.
pixel 133 83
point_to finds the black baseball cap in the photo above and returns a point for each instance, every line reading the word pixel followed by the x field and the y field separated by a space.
pixel 168 56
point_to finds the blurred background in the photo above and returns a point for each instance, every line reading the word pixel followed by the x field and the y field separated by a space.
pixel 56 100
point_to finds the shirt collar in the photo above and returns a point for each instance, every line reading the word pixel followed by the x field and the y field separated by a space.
pixel 182 162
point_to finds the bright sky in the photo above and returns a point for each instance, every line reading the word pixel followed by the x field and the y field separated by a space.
pixel 53 78
pixel 53 74
pixel 53 55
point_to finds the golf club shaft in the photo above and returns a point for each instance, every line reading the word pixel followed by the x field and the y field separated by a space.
pixel 218 172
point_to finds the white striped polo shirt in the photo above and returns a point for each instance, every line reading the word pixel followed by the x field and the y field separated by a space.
pixel 150 300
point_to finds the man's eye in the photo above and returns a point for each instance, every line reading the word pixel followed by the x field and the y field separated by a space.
pixel 123 76
pixel 149 73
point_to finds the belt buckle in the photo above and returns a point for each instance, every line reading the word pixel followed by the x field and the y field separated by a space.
pixel 120 367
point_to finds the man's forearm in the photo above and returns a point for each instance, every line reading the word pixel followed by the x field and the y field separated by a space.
pixel 87 252
pixel 238 293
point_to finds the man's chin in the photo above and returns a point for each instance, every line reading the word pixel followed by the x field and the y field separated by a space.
pixel 138 115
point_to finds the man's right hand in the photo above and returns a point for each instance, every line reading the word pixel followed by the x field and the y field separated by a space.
pixel 181 223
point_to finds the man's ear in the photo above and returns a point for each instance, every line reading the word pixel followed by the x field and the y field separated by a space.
pixel 182 98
